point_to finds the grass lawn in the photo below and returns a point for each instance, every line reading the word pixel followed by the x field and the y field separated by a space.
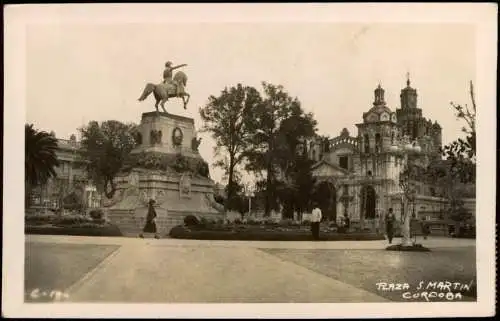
pixel 57 266
pixel 365 268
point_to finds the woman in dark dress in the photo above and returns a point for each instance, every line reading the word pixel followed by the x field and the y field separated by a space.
pixel 389 225
pixel 150 226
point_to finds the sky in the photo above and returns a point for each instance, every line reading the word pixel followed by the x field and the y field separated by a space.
pixel 77 72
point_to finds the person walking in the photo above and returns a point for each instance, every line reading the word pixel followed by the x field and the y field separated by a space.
pixel 376 223
pixel 425 228
pixel 150 226
pixel 315 221
pixel 389 225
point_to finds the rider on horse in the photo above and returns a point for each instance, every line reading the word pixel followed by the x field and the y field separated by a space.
pixel 167 75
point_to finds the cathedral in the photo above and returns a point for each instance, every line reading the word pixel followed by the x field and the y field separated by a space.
pixel 360 173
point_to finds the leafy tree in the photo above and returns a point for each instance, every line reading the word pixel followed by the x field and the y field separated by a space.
pixel 457 172
pixel 228 117
pixel 448 178
pixel 279 124
pixel 72 202
pixel 40 158
pixel 238 202
pixel 106 146
pixel 462 152
pixel 296 182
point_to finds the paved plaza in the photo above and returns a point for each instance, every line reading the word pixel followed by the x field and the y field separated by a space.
pixel 106 269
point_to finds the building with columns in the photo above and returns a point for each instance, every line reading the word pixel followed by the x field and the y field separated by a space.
pixel 360 173
pixel 72 179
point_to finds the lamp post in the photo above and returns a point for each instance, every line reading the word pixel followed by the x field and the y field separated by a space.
pixel 408 193
pixel 89 188
pixel 249 192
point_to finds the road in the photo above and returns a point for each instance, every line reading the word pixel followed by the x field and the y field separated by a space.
pixel 121 270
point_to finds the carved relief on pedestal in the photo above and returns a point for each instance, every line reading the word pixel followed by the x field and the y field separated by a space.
pixel 177 137
pixel 161 196
pixel 133 179
pixel 185 185
pixel 155 137
pixel 117 197
pixel 131 191
pixel 144 197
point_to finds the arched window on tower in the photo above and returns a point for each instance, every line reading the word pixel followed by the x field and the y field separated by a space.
pixel 392 138
pixel 366 141
pixel 378 143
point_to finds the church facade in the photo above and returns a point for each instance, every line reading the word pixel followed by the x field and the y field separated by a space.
pixel 359 174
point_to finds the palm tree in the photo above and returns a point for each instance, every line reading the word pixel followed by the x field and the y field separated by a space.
pixel 40 157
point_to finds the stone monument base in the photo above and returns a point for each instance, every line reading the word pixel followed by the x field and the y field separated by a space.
pixel 174 200
pixel 170 172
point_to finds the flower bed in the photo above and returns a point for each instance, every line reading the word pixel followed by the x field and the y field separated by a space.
pixel 262 233
pixel 410 248
pixel 69 225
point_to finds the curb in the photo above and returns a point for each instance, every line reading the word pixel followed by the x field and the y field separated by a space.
pixel 78 284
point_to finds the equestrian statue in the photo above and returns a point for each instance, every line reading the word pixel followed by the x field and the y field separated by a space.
pixel 169 88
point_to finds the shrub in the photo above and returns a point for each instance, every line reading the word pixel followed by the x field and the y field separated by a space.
pixel 263 235
pixel 191 220
pixel 285 222
pixel 87 225
pixel 97 214
pixel 40 218
pixel 70 220
pixel 87 229
pixel 271 222
pixel 237 221
pixel 253 222
pixel 332 224
pixel 100 221
pixel 306 222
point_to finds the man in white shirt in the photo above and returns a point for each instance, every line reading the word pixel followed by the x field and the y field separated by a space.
pixel 315 220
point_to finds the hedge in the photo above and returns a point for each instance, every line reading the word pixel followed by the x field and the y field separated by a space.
pixel 69 225
pixel 88 229
pixel 181 232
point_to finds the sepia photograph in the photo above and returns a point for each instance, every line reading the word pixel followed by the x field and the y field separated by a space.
pixel 249 160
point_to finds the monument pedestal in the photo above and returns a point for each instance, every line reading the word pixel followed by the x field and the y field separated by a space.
pixel 164 166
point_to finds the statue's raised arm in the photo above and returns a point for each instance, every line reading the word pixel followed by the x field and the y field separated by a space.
pixel 179 66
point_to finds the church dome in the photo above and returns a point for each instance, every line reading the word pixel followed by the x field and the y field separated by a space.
pixel 379 111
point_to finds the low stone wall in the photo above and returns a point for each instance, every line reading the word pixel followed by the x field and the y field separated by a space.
pixel 124 220
pixel 131 222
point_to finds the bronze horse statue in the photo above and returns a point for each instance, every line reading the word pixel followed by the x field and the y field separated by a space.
pixel 163 91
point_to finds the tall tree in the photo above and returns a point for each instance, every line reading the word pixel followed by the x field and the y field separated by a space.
pixel 105 146
pixel 228 117
pixel 40 158
pixel 274 138
pixel 295 181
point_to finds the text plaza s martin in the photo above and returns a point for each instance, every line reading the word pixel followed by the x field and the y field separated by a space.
pixel 428 290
